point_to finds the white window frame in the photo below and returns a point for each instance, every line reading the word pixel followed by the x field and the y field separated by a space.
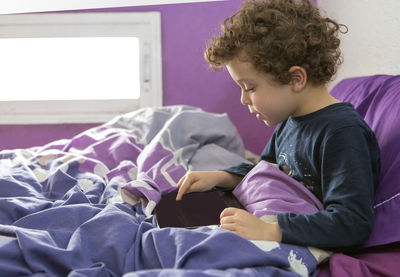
pixel 146 26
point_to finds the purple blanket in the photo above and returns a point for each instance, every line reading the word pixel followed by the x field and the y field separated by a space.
pixel 61 212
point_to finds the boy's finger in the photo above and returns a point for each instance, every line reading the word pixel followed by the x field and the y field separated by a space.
pixel 228 212
pixel 229 227
pixel 180 193
pixel 181 180
pixel 184 187
pixel 226 220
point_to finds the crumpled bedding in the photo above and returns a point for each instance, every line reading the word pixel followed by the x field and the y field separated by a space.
pixel 64 210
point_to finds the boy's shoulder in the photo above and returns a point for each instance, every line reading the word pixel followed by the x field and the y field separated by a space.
pixel 341 113
pixel 342 117
pixel 329 120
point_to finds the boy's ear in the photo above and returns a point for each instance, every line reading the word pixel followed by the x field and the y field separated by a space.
pixel 298 78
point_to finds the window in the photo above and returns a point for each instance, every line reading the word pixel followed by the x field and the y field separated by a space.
pixel 23 6
pixel 78 67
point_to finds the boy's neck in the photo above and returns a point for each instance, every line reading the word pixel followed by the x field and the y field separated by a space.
pixel 314 98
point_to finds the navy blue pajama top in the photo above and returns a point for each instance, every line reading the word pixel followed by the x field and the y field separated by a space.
pixel 335 155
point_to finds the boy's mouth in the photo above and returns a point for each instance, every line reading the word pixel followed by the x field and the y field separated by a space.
pixel 262 118
pixel 258 115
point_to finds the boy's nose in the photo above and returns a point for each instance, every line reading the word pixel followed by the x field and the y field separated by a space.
pixel 244 99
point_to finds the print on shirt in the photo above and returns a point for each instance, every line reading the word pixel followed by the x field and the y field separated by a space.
pixel 284 164
pixel 299 172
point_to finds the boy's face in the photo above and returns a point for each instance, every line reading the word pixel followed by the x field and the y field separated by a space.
pixel 270 101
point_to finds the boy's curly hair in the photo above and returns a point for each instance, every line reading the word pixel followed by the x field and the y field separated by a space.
pixel 276 35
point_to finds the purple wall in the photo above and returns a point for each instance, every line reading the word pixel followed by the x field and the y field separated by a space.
pixel 186 76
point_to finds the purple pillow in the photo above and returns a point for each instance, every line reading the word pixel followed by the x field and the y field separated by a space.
pixel 377 100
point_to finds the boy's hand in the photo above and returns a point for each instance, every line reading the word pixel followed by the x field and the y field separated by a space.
pixel 197 181
pixel 248 226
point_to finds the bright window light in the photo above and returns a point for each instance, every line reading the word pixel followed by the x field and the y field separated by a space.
pixel 23 6
pixel 69 68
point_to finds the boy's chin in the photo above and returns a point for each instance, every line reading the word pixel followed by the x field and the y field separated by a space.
pixel 271 123
pixel 268 123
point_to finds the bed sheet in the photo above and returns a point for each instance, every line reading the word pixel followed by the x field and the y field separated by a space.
pixel 64 210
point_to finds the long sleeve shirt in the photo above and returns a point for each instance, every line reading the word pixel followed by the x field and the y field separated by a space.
pixel 335 155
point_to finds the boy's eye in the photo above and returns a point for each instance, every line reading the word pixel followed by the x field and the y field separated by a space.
pixel 250 90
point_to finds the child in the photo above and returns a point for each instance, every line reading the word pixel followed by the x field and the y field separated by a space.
pixel 282 53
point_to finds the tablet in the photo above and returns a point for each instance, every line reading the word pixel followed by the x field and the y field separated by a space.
pixel 195 209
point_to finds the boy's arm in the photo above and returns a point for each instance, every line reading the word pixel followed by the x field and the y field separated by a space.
pixel 241 169
pixel 268 154
pixel 349 171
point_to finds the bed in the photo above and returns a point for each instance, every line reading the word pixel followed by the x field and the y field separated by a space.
pixel 83 206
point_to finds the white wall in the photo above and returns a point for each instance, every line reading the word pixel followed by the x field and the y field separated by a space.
pixel 372 44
